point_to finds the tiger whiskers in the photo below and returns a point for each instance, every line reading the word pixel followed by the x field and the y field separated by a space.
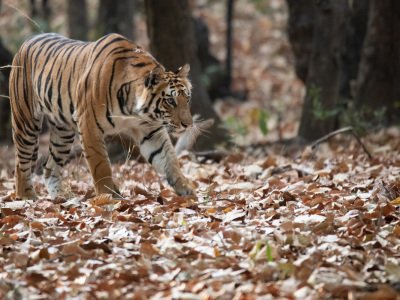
pixel 187 140
pixel 10 66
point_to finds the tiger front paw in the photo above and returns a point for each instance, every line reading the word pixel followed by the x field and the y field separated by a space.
pixel 184 187
pixel 28 194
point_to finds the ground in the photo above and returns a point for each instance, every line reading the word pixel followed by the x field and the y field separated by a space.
pixel 312 224
pixel 271 219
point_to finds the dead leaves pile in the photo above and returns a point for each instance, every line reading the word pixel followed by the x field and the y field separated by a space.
pixel 324 225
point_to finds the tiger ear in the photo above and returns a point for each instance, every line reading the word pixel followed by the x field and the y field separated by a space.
pixel 154 77
pixel 183 71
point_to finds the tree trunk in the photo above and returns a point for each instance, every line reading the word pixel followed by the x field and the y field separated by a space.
pixel 356 28
pixel 41 16
pixel 301 34
pixel 323 74
pixel 5 111
pixel 77 19
pixel 116 16
pixel 172 42
pixel 379 73
pixel 229 44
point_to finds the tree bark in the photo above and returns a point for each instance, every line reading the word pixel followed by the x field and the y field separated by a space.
pixel 301 34
pixel 77 19
pixel 323 74
pixel 356 28
pixel 229 44
pixel 378 79
pixel 172 42
pixel 42 16
pixel 116 16
pixel 5 111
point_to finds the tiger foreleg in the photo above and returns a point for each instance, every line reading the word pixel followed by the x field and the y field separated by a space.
pixel 97 158
pixel 159 151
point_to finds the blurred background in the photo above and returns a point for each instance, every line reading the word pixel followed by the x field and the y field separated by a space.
pixel 265 70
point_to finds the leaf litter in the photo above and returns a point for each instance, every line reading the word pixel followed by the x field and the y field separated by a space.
pixel 330 232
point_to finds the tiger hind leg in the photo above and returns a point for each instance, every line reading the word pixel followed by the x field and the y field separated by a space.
pixel 26 145
pixel 61 140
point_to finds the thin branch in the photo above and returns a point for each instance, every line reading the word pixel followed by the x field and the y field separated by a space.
pixel 339 131
pixel 4 96
pixel 25 16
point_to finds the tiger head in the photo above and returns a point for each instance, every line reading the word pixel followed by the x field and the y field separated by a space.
pixel 167 98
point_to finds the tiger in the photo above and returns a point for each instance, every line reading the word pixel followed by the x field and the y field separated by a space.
pixel 94 89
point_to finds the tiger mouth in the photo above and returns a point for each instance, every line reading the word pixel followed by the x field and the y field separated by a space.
pixel 173 129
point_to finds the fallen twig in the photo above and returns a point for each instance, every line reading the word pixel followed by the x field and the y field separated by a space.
pixel 339 131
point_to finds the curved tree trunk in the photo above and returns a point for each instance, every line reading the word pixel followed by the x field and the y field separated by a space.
pixel 172 42
pixel 378 80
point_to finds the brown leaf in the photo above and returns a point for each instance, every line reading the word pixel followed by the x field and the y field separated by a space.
pixel 148 250
pixel 91 245
pixel 11 220
pixel 37 225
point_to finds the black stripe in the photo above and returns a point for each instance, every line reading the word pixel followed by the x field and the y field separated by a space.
pixel 64 151
pixel 71 136
pixel 24 141
pixel 141 64
pixel 156 152
pixel 41 48
pixel 21 157
pixel 55 158
pixel 108 116
pixel 59 128
pixel 124 50
pixel 95 118
pixel 49 96
pixel 122 94
pixel 150 135
pixel 56 144
pixel 117 39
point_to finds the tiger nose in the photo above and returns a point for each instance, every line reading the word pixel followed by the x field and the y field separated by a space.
pixel 186 124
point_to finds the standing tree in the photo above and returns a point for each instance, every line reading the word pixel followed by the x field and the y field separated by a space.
pixel 378 79
pixel 77 19
pixel 5 124
pixel 172 42
pixel 323 74
pixel 229 48
pixel 41 15
pixel 116 16
pixel 327 39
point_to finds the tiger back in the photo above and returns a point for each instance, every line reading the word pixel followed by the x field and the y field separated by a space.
pixel 93 89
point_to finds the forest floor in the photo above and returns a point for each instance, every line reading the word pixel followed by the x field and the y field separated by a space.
pixel 270 220
pixel 267 222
